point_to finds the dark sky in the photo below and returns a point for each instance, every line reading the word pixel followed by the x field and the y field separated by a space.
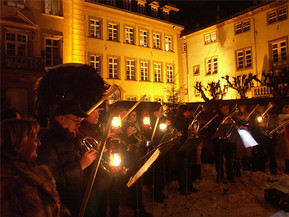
pixel 203 13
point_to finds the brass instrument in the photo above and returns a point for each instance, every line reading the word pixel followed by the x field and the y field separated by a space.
pixel 227 125
pixel 195 125
pixel 208 122
pixel 138 135
pixel 264 115
pixel 279 129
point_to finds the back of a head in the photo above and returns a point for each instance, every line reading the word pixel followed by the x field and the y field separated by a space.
pixel 15 132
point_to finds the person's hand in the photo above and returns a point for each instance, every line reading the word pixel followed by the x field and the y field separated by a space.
pixel 87 158
pixel 130 130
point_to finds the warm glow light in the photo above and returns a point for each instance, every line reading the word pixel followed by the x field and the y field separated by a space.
pixel 115 159
pixel 163 126
pixel 259 119
pixel 146 121
pixel 116 122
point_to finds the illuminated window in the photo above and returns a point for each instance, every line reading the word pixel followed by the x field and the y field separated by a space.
pixel 210 38
pixel 170 74
pixel 279 52
pixel 129 35
pixel 243 26
pixel 168 43
pixel 94 28
pixel 52 52
pixel 127 4
pixel 144 70
pixel 277 15
pixel 158 72
pixel 143 38
pixel 211 65
pixel 156 41
pixel 95 62
pixel 16 44
pixel 130 69
pixel 244 58
pixel 112 32
pixel 53 7
pixel 16 3
pixel 113 67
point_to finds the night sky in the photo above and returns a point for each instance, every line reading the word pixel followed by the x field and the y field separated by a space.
pixel 203 13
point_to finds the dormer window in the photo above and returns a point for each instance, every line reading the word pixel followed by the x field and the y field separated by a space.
pixel 53 7
pixel 16 3
pixel 141 4
pixel 154 8
pixel 127 4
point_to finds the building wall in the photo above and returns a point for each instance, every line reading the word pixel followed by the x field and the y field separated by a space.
pixel 70 25
pixel 228 42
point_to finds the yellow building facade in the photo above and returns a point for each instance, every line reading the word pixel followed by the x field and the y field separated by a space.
pixel 254 41
pixel 137 52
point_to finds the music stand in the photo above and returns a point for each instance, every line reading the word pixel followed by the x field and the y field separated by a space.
pixel 144 168
pixel 223 131
pixel 192 143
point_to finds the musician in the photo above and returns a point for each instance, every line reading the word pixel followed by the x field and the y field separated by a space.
pixel 222 147
pixel 156 173
pixel 242 154
pixel 266 145
pixel 184 158
pixel 59 152
pixel 283 142
pixel 132 135
pixel 97 203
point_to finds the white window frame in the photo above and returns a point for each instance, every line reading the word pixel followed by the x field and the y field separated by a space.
pixel 52 53
pixel 244 58
pixel 156 40
pixel 277 15
pixel 170 73
pixel 131 98
pixel 18 43
pixel 129 35
pixel 113 68
pixel 95 28
pixel 210 37
pixel 130 69
pixel 95 62
pixel 112 31
pixel 243 26
pixel 53 7
pixel 143 38
pixel 279 51
pixel 168 43
pixel 141 8
pixel 157 72
pixel 144 70
pixel 211 65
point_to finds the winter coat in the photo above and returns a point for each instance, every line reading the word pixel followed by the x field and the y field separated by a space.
pixel 58 151
pixel 27 190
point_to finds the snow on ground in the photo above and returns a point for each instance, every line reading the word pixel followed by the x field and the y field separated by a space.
pixel 245 198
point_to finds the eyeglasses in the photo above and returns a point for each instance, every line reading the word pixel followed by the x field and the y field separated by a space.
pixel 74 120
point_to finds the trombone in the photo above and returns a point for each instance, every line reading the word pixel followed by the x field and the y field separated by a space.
pixel 195 125
pixel 279 129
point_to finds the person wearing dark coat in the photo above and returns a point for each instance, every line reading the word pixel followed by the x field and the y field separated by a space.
pixel 222 147
pixel 60 152
pixel 27 190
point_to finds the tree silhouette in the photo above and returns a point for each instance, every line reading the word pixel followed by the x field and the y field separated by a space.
pixel 278 80
pixel 214 88
pixel 241 83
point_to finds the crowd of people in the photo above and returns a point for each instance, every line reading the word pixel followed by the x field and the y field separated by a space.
pixel 47 172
